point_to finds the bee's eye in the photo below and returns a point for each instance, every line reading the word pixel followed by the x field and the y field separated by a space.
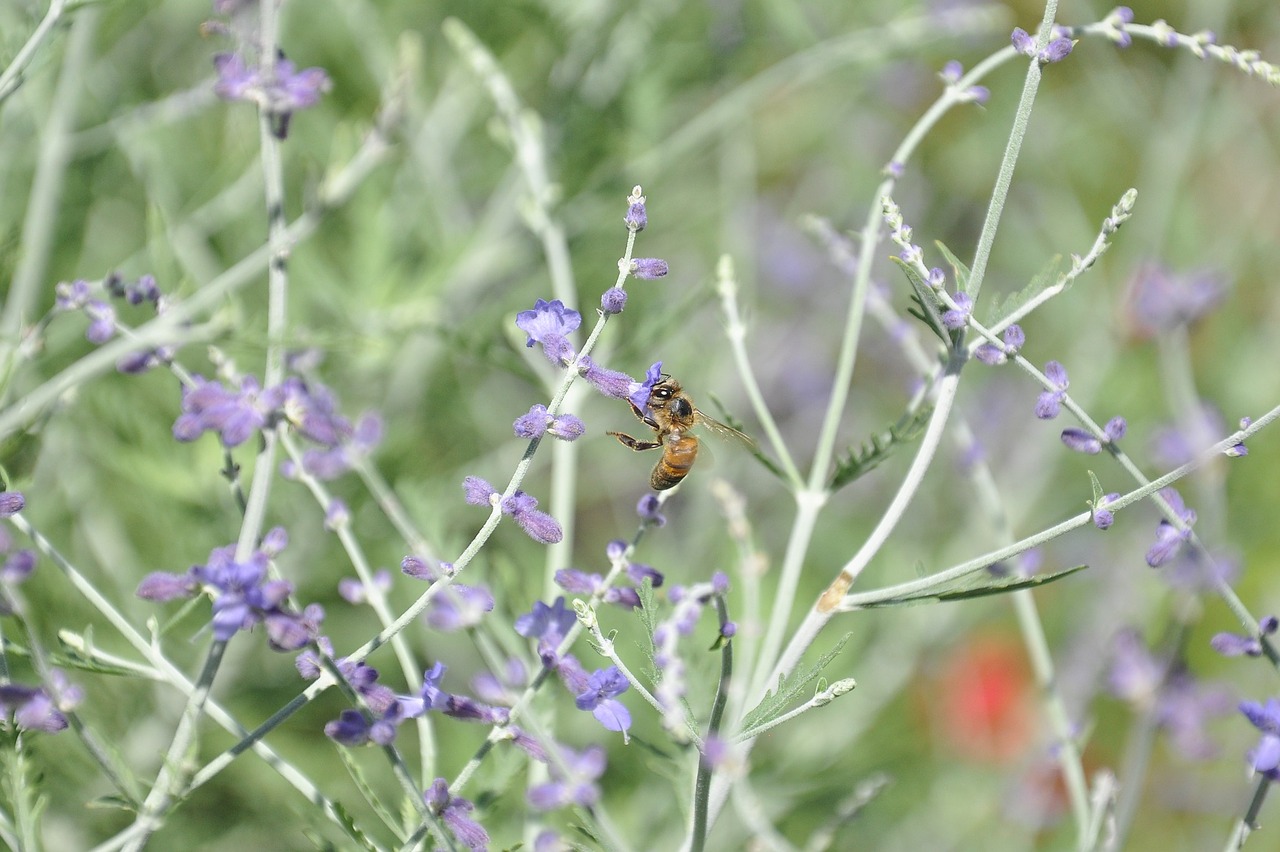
pixel 661 393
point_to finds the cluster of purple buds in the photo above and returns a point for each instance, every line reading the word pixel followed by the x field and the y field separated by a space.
pixel 1169 538
pixel 243 595
pixel 538 421
pixel 520 506
pixel 39 708
pixel 1055 51
pixel 578 582
pixel 689 602
pixel 457 606
pixel 278 88
pixel 992 354
pixel 1084 442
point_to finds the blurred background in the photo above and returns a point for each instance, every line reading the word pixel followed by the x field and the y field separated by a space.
pixel 739 118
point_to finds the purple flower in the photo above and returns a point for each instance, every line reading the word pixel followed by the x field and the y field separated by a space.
pixel 243 596
pixel 648 267
pixel 550 323
pixel 1168 537
pixel 416 568
pixel 539 526
pixel 533 423
pixel 459 606
pixel 32 707
pixel 1235 645
pixel 613 300
pixel 603 687
pixel 637 217
pixel 548 625
pixel 958 317
pixel 1055 51
pixel 1049 403
pixel 611 383
pixel 1159 300
pixel 278 90
pixel 478 492
pixel 1084 442
pixel 992 354
pixel 640 391
pixel 1265 757
pixel 234 415
pixel 648 508
pixel 11 503
pixel 353 590
pixel 1103 518
pixel 453 811
pixel 951 74
pixel 581 583
pixel 571 785
pixel 1115 25
pixel 566 427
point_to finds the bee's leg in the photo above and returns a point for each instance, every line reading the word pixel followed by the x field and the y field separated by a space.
pixel 634 443
pixel 642 417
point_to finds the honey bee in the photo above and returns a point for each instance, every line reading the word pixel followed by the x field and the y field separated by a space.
pixel 670 413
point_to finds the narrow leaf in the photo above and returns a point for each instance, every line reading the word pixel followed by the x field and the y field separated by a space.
pixel 790 690
pixel 961 271
pixel 962 589
pixel 879 447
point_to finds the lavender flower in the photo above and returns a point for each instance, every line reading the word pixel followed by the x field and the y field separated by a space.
pixel 353 590
pixel 951 74
pixel 958 317
pixel 637 217
pixel 613 300
pixel 572 785
pixel 1084 442
pixel 649 509
pixel 453 811
pixel 1103 518
pixel 235 415
pixel 600 697
pixel 1169 538
pixel 1159 300
pixel 648 268
pixel 1114 24
pixel 549 324
pixel 458 607
pixel 582 583
pixel 1049 403
pixel 243 596
pixel 539 526
pixel 992 354
pixel 11 503
pixel 1265 757
pixel 478 492
pixel 1055 51
pixel 533 423
pixel 549 625
pixel 279 89
pixel 611 383
pixel 640 391
pixel 1235 645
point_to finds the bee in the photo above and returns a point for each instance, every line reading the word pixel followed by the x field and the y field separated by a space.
pixel 670 413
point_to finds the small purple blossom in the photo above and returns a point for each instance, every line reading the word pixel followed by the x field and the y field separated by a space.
pixel 611 383
pixel 600 697
pixel 550 323
pixel 648 268
pixel 353 590
pixel 1265 756
pixel 243 595
pixel 234 414
pixel 36 708
pixel 1055 51
pixel 1236 645
pixel 11 503
pixel 418 569
pixel 1169 538
pixel 640 391
pixel 958 317
pixel 458 607
pixel 582 583
pixel 1049 404
pixel 539 526
pixel 992 354
pixel 1103 518
pixel 549 625
pixel 613 300
pixel 454 811
pixel 572 785
pixel 1115 25
pixel 637 217
pixel 649 509
pixel 279 89
pixel 1160 300
pixel 477 491
pixel 566 427
pixel 532 424
pixel 1084 442
pixel 951 74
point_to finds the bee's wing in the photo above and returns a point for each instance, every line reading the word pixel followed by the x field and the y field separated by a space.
pixel 720 430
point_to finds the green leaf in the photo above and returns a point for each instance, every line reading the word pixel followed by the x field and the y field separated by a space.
pixel 371 796
pixel 1044 279
pixel 1098 493
pixel 964 588
pixel 926 309
pixel 879 447
pixel 790 690
pixel 961 271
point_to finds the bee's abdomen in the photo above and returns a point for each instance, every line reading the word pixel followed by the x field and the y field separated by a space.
pixel 677 457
